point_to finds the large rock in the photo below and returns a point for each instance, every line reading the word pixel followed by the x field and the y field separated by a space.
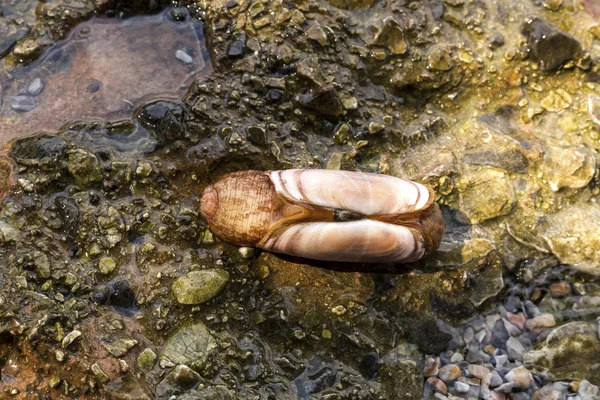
pixel 571 352
pixel 574 239
pixel 198 287
pixel 189 346
pixel 548 45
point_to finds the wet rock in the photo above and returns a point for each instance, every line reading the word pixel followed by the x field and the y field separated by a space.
pixel 106 265
pixel 164 120
pixel 120 347
pixel 515 349
pixel 146 359
pixel 111 225
pixel 190 345
pixel 449 372
pixel 198 287
pixel 237 47
pixel 391 36
pixel 35 87
pixel 316 33
pixel 177 381
pixel 22 103
pixel 559 289
pixel 556 101
pixel 548 45
pixel 84 166
pixel 571 168
pixel 432 366
pixel 40 150
pixel 315 379
pixel 430 334
pixel 573 239
pixel 324 101
pixel 571 351
pixel 437 385
pixel 70 338
pixel 499 200
pixel 100 375
pixel 489 282
pixel 440 58
pixel 368 366
pixel 520 376
pixel 42 264
pixel 540 322
pixel 209 393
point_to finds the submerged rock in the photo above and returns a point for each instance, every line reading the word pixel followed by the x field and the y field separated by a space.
pixel 570 352
pixel 190 345
pixel 573 239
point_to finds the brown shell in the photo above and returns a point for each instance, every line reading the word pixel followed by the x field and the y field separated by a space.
pixel 241 206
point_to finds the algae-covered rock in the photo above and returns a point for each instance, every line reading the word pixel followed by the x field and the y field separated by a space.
pixel 573 237
pixel 571 351
pixel 485 193
pixel 190 345
pixel 571 168
pixel 198 287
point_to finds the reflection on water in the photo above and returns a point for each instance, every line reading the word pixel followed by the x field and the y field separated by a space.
pixel 104 70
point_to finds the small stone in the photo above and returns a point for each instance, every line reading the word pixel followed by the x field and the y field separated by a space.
pixel 99 373
pixel 120 347
pixel 375 127
pixel 124 366
pixel 35 87
pixel 520 376
pixel 391 36
pixel 22 103
pixel 184 57
pixel 432 366
pixel 506 387
pixel 548 45
pixel 146 359
pixel 440 58
pixel 556 101
pixel 106 265
pixel 495 380
pixel 559 289
pixel 478 371
pixel 237 47
pixel 246 252
pixel 461 387
pixel 515 349
pixel 184 376
pixel 316 33
pixel 449 372
pixel 541 322
pixel 517 320
pixel 60 355
pixel 456 358
pixel 70 338
pixel 54 382
pixel 498 395
pixel 198 287
pixel 437 384
pixel 587 390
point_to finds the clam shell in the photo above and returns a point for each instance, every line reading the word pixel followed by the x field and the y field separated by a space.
pixel 325 215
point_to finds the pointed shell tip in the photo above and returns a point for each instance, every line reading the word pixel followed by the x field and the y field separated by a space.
pixel 209 202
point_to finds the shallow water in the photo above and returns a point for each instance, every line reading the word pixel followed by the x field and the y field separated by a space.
pixel 104 70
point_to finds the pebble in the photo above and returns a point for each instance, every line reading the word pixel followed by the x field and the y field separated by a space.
pixel 106 265
pixel 517 320
pixel 541 322
pixel 35 87
pixel 22 103
pixel 498 395
pixel 515 349
pixel 587 390
pixel 520 376
pixel 478 371
pixel 70 338
pixel 559 289
pixel 184 57
pixel 495 380
pixel 432 366
pixel 501 360
pixel 197 287
pixel 438 385
pixel 456 358
pixel 449 372
pixel 506 387
pixel 461 387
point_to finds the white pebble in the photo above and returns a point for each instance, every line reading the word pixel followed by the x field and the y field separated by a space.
pixel 183 56
pixel 35 87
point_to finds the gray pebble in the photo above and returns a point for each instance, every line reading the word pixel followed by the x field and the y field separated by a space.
pixel 22 103
pixel 515 349
pixel 505 388
pixel 35 87
pixel 461 387
pixel 531 310
pixel 183 56
pixel 495 380
pixel 501 360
